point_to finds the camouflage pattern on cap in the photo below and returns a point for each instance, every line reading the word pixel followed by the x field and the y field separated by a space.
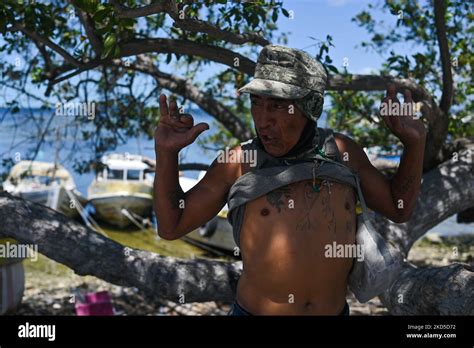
pixel 288 73
pixel 311 105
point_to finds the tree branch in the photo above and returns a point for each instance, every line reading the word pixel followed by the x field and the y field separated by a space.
pixel 448 90
pixel 90 253
pixel 47 59
pixel 151 9
pixel 445 190
pixel 194 25
pixel 376 83
pixel 184 47
pixel 437 119
pixel 59 50
pixel 445 290
pixel 185 88
pixel 88 24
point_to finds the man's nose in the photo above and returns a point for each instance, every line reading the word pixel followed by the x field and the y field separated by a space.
pixel 267 115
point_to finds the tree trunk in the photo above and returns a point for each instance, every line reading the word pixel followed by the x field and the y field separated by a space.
pixel 90 253
pixel 446 190
pixel 445 290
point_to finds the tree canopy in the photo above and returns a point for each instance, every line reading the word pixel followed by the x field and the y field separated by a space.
pixel 123 54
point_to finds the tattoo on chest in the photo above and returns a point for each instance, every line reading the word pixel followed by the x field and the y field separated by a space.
pixel 328 212
pixel 310 198
pixel 275 198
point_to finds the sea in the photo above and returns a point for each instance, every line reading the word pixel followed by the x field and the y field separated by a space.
pixel 19 134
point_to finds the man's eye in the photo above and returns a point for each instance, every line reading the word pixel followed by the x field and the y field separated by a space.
pixel 280 106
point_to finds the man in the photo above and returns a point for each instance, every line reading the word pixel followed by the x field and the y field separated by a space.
pixel 283 234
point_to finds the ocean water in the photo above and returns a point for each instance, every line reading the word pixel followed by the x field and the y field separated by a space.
pixel 15 130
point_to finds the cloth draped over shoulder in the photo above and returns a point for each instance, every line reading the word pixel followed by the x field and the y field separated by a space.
pixel 381 262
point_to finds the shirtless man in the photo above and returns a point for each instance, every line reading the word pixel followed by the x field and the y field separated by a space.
pixel 285 271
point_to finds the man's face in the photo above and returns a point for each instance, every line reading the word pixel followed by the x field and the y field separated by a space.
pixel 279 123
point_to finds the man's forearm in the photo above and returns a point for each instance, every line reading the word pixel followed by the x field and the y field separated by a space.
pixel 406 183
pixel 168 197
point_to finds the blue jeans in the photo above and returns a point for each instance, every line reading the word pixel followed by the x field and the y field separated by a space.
pixel 237 310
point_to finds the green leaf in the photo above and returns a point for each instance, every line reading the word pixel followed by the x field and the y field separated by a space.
pixel 285 12
pixel 275 15
pixel 109 45
pixel 110 41
pixel 332 68
pixel 100 15
pixel 91 5
pixel 88 5
pixel 117 51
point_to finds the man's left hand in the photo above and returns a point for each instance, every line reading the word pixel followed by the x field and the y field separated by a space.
pixel 399 119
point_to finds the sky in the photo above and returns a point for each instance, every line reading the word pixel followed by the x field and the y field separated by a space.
pixel 318 18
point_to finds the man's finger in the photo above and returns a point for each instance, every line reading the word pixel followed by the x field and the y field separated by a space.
pixel 396 124
pixel 408 98
pixel 196 130
pixel 173 108
pixel 187 120
pixel 392 91
pixel 163 106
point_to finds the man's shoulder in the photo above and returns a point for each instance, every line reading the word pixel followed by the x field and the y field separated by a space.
pixel 344 141
pixel 228 163
pixel 350 151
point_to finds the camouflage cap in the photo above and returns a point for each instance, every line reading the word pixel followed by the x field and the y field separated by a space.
pixel 289 73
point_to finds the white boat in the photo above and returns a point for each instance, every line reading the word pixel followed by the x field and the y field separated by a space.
pixel 216 233
pixel 122 191
pixel 45 183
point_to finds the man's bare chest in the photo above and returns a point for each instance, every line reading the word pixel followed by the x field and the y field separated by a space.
pixel 325 198
pixel 298 210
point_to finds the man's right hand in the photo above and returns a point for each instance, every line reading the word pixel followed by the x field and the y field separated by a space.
pixel 175 131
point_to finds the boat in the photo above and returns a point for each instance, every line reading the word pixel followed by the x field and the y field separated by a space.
pixel 122 191
pixel 46 183
pixel 217 232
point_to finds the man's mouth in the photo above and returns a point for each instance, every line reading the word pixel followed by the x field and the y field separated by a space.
pixel 266 138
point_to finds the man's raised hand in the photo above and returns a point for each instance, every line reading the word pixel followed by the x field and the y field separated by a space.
pixel 175 130
pixel 399 118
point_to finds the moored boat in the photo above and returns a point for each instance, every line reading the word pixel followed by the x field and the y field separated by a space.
pixel 217 232
pixel 46 183
pixel 122 190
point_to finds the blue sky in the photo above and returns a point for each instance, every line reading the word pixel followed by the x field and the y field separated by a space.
pixel 318 18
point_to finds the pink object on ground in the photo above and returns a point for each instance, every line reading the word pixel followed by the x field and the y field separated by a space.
pixel 95 303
